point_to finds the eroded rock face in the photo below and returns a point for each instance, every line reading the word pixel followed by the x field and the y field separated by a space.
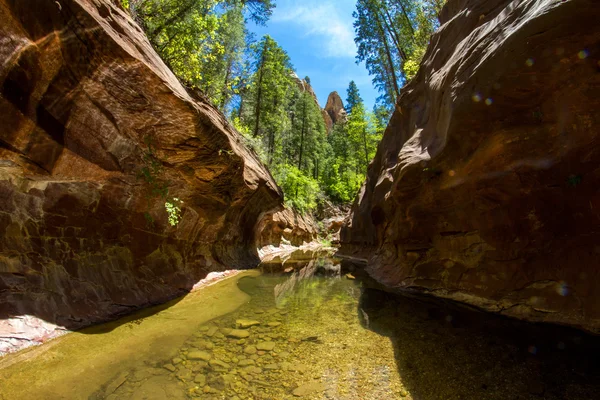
pixel 286 227
pixel 335 109
pixel 484 188
pixel 95 129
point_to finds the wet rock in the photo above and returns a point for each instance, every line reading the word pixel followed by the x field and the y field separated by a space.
pixel 218 365
pixel 212 331
pixel 271 367
pixel 274 324
pixel 265 346
pixel 184 374
pixel 250 349
pixel 217 382
pixel 199 355
pixel 144 373
pixel 245 323
pixel 199 366
pixel 169 367
pixel 158 388
pixel 236 333
pixel 309 388
pixel 116 383
pixel 176 360
pixel 245 363
pixel 294 367
pixel 252 370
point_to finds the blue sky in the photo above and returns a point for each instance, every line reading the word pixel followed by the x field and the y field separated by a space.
pixel 319 38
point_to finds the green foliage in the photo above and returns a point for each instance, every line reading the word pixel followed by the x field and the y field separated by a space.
pixel 202 41
pixel 392 36
pixel 207 45
pixel 158 187
pixel 353 97
pixel 173 210
pixel 301 191
pixel 353 145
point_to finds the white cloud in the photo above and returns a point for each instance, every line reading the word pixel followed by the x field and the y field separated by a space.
pixel 330 23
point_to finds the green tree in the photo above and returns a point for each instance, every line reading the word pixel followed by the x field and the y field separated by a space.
pixel 392 36
pixel 202 41
pixel 266 102
pixel 353 97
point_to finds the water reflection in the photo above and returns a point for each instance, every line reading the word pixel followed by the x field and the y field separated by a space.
pixel 310 330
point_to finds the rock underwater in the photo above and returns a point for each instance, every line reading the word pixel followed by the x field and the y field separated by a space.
pixel 485 187
pixel 97 135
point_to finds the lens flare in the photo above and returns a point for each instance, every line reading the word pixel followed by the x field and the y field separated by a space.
pixel 488 101
pixel 563 289
pixel 583 54
pixel 476 97
pixel 532 349
pixel 529 62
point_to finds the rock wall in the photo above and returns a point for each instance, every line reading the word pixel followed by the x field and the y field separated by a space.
pixel 286 227
pixel 484 188
pixel 95 131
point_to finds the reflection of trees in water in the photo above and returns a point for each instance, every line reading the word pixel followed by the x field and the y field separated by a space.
pixel 286 288
pixel 316 282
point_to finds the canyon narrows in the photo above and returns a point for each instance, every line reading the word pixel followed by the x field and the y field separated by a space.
pixel 95 130
pixel 484 188
pixel 151 150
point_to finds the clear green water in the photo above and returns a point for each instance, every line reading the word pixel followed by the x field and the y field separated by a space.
pixel 303 329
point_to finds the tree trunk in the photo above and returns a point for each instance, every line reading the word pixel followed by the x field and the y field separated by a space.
pixel 389 25
pixel 389 57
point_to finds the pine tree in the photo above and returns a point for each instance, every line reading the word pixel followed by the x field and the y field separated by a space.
pixel 392 36
pixel 353 97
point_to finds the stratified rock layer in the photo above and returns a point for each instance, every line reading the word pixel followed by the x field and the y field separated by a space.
pixel 94 129
pixel 485 187
pixel 286 227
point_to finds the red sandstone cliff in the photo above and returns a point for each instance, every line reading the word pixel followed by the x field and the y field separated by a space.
pixel 94 127
pixel 484 188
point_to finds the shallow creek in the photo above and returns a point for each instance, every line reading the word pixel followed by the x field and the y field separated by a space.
pixel 309 327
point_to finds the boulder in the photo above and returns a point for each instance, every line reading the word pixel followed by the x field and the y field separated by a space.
pixel 286 226
pixel 484 188
pixel 97 135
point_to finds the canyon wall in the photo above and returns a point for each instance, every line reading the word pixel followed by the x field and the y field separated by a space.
pixel 485 187
pixel 97 135
pixel 287 227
